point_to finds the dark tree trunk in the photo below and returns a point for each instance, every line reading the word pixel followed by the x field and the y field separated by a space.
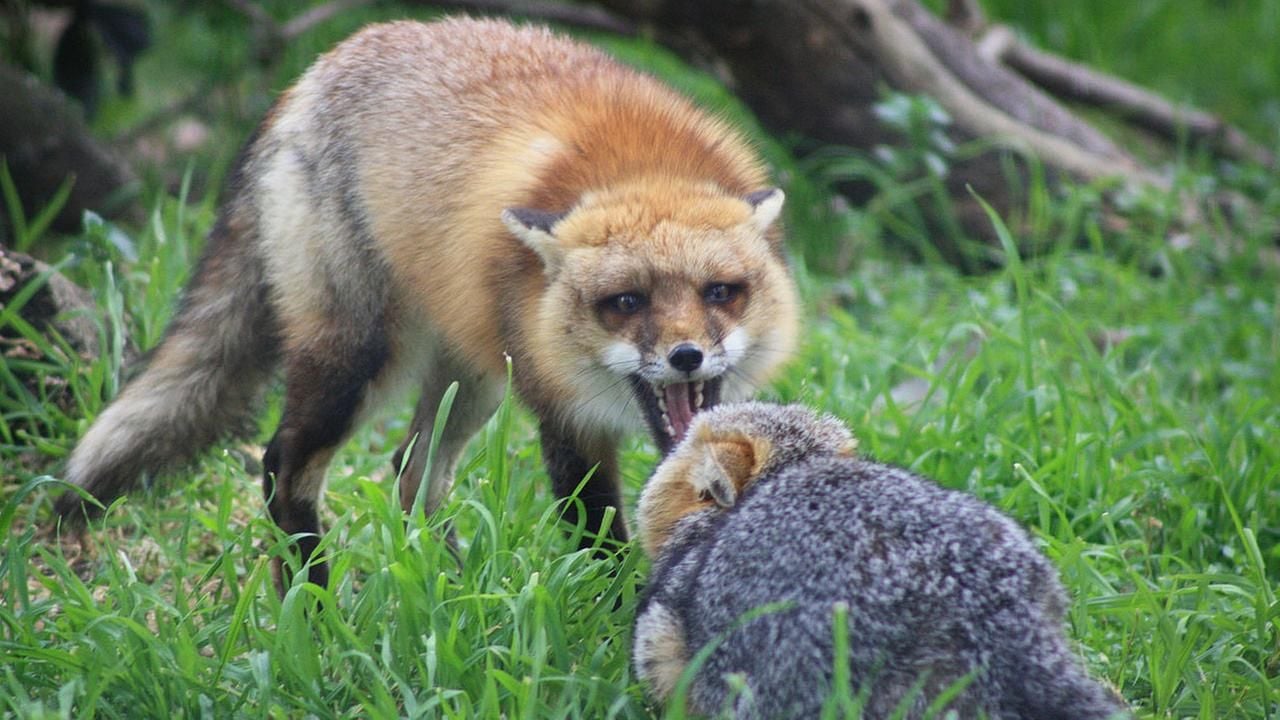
pixel 818 67
pixel 44 140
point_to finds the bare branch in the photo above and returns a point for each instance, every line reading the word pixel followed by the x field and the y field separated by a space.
pixel 582 16
pixel 966 16
pixel 254 12
pixel 270 35
pixel 1137 105
pixel 316 15
pixel 898 43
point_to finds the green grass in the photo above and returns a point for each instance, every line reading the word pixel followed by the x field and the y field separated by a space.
pixel 1115 392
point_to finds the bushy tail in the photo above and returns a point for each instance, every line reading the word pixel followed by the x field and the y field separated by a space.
pixel 201 384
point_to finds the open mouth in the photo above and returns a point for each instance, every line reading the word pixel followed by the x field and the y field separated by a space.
pixel 669 409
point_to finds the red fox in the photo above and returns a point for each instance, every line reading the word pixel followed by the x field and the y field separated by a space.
pixel 429 199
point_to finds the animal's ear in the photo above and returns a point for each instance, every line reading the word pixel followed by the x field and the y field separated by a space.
pixel 766 205
pixel 737 461
pixel 533 228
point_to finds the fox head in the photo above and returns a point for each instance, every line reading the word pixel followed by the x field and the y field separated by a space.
pixel 664 297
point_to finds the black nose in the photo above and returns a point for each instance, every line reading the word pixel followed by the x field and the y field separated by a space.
pixel 686 357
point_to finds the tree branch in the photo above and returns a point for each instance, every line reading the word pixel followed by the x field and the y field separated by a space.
pixel 272 35
pixel 1139 106
pixel 316 15
pixel 582 16
pixel 966 16
pixel 896 34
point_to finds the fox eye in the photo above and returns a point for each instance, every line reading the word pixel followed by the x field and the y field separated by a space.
pixel 625 303
pixel 720 293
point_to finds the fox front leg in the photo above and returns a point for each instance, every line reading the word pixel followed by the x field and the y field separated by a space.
pixel 569 460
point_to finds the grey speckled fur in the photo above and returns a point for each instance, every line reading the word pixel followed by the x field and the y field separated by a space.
pixel 936 582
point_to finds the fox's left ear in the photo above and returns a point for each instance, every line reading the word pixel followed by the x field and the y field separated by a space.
pixel 533 228
pixel 765 207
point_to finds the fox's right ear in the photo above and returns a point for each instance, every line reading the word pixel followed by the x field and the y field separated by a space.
pixel 533 228
pixel 736 461
pixel 766 205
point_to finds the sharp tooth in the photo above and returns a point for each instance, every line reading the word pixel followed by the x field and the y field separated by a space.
pixel 662 404
pixel 697 398
pixel 666 423
pixel 657 391
pixel 670 430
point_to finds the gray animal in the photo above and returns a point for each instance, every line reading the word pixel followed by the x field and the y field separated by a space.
pixel 764 519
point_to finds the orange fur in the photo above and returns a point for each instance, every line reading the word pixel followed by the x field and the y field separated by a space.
pixel 429 200
pixel 551 122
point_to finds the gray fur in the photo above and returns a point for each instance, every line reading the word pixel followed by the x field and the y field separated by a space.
pixel 938 584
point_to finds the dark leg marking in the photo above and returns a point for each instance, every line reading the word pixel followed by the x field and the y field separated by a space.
pixel 323 391
pixel 567 462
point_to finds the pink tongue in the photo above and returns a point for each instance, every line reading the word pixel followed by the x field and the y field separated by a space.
pixel 678 408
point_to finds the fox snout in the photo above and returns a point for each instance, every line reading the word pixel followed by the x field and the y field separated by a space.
pixel 684 361
pixel 677 379
pixel 686 357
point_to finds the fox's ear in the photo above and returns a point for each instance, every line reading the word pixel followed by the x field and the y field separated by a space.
pixel 736 460
pixel 533 228
pixel 765 207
